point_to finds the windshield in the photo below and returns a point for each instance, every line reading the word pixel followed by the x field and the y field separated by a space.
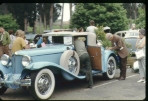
pixel 67 40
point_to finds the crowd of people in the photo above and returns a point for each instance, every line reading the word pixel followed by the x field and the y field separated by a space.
pixel 11 42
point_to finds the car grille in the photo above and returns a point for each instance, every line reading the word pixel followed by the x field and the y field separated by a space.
pixel 17 64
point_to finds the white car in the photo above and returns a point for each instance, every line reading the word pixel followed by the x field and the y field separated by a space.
pixel 128 33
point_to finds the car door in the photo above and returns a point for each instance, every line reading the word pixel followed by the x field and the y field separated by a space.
pixel 95 56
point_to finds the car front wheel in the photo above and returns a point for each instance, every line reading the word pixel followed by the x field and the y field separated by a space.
pixel 2 88
pixel 42 84
pixel 111 68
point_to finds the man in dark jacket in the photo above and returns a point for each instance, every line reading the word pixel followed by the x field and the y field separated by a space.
pixel 119 46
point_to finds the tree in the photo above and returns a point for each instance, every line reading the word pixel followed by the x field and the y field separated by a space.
pixel 3 9
pixel 51 16
pixel 132 10
pixel 141 20
pixel 104 14
pixel 8 22
pixel 23 13
pixel 43 11
pixel 70 9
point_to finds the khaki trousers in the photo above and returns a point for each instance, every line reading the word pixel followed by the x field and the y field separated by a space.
pixel 4 50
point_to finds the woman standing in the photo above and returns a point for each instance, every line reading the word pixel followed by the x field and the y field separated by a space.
pixel 140 44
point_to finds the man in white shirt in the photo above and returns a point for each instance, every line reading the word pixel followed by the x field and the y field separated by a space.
pixel 92 27
pixel 12 37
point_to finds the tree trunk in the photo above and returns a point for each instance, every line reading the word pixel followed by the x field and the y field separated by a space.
pixel 40 24
pixel 45 26
pixel 51 17
pixel 25 24
pixel 135 10
pixel 62 17
pixel 34 27
pixel 70 5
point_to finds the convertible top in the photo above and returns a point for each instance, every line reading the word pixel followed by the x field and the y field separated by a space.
pixel 65 34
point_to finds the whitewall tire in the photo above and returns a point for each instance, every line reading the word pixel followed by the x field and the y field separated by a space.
pixel 42 84
pixel 111 68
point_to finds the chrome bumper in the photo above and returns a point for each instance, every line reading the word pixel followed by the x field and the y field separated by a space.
pixel 22 82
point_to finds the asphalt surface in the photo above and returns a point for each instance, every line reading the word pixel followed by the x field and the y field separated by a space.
pixel 128 89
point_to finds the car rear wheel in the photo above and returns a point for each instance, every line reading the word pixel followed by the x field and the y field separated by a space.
pixel 42 84
pixel 2 88
pixel 70 60
pixel 111 68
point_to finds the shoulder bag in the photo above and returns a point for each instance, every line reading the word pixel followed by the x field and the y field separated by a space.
pixel 140 53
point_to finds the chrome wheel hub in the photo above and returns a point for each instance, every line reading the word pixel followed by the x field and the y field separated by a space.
pixel 72 64
pixel 111 67
pixel 44 83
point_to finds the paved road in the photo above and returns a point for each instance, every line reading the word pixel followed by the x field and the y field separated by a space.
pixel 113 89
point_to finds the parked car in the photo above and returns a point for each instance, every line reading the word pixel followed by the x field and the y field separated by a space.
pixel 30 36
pixel 131 40
pixel 127 33
pixel 36 38
pixel 35 69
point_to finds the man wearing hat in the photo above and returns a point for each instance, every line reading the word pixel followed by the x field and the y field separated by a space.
pixel 122 51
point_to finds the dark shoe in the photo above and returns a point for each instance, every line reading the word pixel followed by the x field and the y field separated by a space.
pixel 121 78
pixel 89 86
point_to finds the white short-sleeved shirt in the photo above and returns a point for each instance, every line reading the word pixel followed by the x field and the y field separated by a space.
pixel 91 29
pixel 12 37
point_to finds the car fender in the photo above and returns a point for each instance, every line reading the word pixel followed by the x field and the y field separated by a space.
pixel 54 68
pixel 107 54
pixel 5 69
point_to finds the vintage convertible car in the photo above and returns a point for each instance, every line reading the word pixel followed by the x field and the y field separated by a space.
pixel 35 69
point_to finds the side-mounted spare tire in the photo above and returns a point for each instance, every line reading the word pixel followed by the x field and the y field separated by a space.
pixel 70 60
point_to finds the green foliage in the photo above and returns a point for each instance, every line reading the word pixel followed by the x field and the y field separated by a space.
pixel 141 20
pixel 8 22
pixel 104 14
pixel 43 8
pixel 106 43
pixel 21 11
pixel 102 36
pixel 132 10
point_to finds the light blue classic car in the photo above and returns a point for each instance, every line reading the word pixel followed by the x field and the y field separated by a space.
pixel 35 69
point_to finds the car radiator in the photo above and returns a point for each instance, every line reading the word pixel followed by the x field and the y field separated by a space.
pixel 17 66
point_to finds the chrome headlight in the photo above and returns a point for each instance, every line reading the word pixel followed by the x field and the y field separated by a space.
pixel 26 60
pixel 4 59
